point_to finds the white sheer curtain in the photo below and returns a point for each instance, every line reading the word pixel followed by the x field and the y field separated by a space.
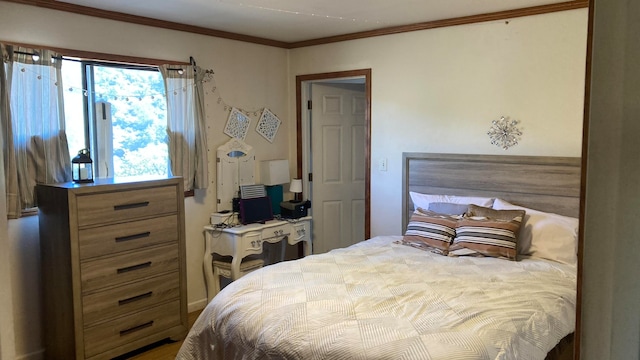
pixel 35 143
pixel 186 124
pixel 10 172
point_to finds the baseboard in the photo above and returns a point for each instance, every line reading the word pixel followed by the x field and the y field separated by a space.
pixel 197 305
pixel 36 355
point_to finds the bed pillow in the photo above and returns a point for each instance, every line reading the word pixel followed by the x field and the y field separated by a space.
pixel 448 208
pixel 487 236
pixel 475 210
pixel 546 235
pixel 428 229
pixel 423 200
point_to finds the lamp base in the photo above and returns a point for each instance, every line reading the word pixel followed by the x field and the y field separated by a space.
pixel 274 192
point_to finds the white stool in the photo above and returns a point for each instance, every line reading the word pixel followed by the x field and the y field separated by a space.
pixel 223 268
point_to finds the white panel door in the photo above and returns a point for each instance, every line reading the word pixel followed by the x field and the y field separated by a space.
pixel 337 164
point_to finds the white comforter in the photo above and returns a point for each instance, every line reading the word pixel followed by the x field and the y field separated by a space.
pixel 381 300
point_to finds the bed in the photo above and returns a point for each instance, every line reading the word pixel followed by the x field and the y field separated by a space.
pixel 382 299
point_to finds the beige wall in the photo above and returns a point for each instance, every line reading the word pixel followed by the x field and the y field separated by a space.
pixel 438 91
pixel 611 290
pixel 246 75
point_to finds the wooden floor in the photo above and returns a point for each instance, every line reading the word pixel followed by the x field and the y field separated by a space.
pixel 160 351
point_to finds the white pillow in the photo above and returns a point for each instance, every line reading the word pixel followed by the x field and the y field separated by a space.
pixel 545 235
pixel 423 200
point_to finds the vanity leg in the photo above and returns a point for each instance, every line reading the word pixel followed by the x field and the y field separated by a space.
pixel 235 267
pixel 207 268
pixel 283 247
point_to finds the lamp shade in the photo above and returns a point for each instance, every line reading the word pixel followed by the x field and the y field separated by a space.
pixel 296 186
pixel 274 172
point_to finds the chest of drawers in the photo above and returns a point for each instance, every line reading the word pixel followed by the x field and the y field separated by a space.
pixel 113 266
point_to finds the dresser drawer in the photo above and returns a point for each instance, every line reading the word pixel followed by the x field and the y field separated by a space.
pixel 126 205
pixel 112 239
pixel 106 336
pixel 130 298
pixel 131 266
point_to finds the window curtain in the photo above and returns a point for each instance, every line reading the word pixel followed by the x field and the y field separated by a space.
pixel 10 172
pixel 35 142
pixel 186 124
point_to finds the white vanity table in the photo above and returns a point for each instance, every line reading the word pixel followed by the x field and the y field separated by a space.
pixel 235 168
pixel 241 241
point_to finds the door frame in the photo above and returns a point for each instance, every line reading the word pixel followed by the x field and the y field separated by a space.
pixel 300 136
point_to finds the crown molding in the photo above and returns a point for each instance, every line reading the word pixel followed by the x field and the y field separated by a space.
pixel 494 16
pixel 141 20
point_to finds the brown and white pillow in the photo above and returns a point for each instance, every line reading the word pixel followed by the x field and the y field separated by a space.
pixel 488 236
pixel 430 230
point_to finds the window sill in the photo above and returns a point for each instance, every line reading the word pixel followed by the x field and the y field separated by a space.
pixel 29 212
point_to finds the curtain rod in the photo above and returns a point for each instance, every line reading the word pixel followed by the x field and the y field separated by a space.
pixel 25 53
pixel 178 69
pixel 192 61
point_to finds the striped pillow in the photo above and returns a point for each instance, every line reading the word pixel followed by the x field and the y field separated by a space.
pixel 489 237
pixel 428 229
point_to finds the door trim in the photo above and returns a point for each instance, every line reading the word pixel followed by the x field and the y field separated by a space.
pixel 366 73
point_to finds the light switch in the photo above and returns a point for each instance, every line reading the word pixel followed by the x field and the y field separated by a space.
pixel 382 164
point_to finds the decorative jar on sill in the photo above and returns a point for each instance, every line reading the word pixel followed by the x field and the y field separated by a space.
pixel 82 167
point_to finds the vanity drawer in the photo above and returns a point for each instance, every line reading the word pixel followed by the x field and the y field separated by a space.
pixel 301 232
pixel 126 205
pixel 106 336
pixel 276 232
pixel 112 239
pixel 130 298
pixel 131 266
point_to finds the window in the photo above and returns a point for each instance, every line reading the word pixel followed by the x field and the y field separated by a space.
pixel 119 113
pixel 55 106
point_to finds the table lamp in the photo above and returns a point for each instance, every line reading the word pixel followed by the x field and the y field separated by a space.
pixel 296 208
pixel 296 188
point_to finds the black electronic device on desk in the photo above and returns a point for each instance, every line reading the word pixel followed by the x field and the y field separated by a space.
pixel 255 210
pixel 294 209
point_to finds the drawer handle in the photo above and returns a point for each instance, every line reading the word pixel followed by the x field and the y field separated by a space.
pixel 134 267
pixel 135 298
pixel 136 328
pixel 133 237
pixel 130 206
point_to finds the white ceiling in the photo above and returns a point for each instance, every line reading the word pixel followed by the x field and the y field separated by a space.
pixel 300 20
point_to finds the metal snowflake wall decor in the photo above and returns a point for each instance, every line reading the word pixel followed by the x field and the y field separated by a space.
pixel 504 133
pixel 268 125
pixel 237 124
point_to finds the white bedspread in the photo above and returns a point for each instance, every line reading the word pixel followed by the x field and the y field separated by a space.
pixel 380 300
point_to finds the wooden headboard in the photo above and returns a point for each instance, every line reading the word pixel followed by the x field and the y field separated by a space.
pixel 550 184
